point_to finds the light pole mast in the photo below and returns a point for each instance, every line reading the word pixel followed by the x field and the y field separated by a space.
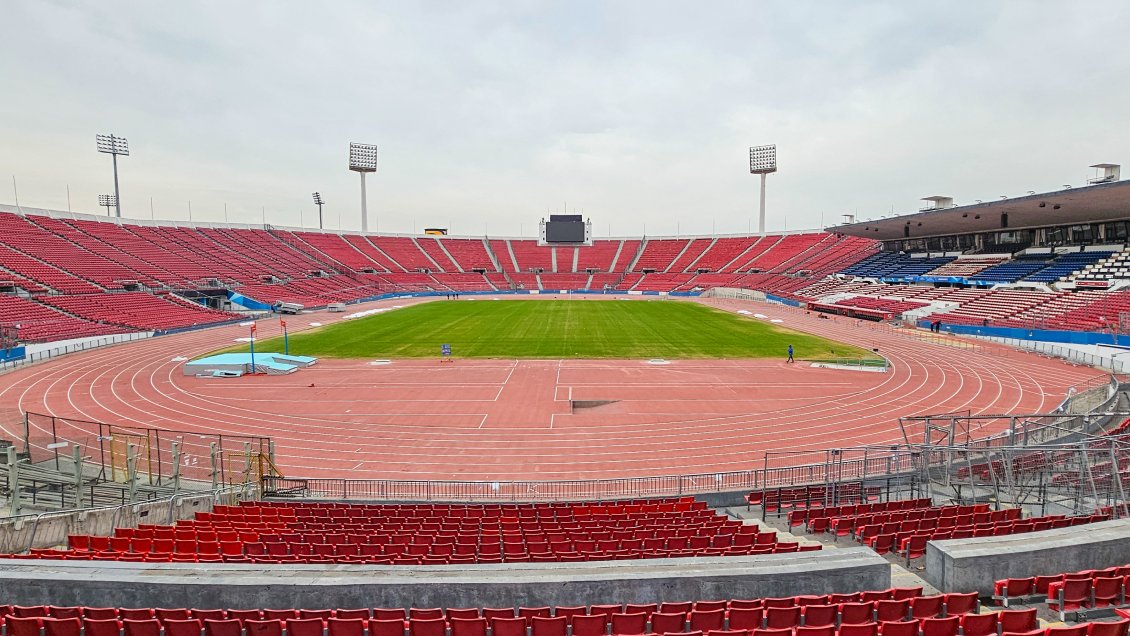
pixel 318 201
pixel 362 160
pixel 114 146
pixel 762 161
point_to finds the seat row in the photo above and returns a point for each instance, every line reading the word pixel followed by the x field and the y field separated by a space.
pixel 808 515
pixel 1007 623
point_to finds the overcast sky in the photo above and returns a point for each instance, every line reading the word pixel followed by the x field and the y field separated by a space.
pixel 490 114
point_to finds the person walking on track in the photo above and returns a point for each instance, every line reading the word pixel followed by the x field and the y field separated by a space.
pixel 790 354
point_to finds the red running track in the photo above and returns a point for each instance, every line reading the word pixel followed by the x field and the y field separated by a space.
pixel 504 419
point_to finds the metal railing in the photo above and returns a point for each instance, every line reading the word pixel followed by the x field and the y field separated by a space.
pixel 48 529
pixel 779 469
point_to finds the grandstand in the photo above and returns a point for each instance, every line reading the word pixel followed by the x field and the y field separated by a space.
pixel 987 479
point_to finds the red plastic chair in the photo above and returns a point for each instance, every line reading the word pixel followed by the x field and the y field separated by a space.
pixel 894 610
pixel 70 626
pixel 224 627
pixel 782 617
pixel 771 632
pixel 352 614
pixel 1071 594
pixel 90 627
pixel 859 629
pixel 927 606
pixel 705 620
pixel 546 626
pixel 819 615
pixel 746 618
pixel 165 614
pixel 245 615
pixel 345 626
pixel 1006 590
pixel 501 627
pixel 898 628
pixel 661 623
pixel 148 627
pixel 940 626
pixel 629 623
pixel 208 614
pixel 100 613
pixel 386 626
pixel 1017 620
pixel 467 626
pixel 955 604
pixel 1074 630
pixel 266 627
pixel 425 612
pixel 1113 628
pixel 979 624
pixel 1107 590
pixel 304 627
pixel 25 625
pixel 323 614
pixel 823 630
pixel 857 613
pixel 185 627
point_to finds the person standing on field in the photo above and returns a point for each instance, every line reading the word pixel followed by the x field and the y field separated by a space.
pixel 790 354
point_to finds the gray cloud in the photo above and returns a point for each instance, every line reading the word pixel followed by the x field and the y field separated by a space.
pixel 490 113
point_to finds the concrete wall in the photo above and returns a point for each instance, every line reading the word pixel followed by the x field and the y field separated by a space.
pixel 28 582
pixel 965 565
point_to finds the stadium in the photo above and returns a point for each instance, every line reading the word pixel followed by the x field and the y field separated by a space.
pixel 902 424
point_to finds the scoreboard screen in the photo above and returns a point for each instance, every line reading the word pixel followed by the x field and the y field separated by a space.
pixel 565 228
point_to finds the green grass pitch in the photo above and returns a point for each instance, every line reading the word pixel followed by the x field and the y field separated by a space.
pixel 551 329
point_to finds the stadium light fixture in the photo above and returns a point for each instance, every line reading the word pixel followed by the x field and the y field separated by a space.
pixel 762 161
pixel 107 201
pixel 114 145
pixel 363 160
pixel 318 201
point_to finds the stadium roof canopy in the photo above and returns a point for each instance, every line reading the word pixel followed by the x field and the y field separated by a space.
pixel 1085 204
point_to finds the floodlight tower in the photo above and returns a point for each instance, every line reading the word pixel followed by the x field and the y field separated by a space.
pixel 318 202
pixel 107 201
pixel 113 145
pixel 762 161
pixel 363 159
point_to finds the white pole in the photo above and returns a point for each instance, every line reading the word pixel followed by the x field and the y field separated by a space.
pixel 16 192
pixel 190 211
pixel 761 218
pixel 68 197
pixel 151 217
pixel 364 207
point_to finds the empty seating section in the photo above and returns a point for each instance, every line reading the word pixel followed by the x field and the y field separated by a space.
pixel 896 611
pixel 599 256
pixel 139 310
pixel 661 282
pixel 470 254
pixel 897 265
pixel 785 253
pixel 362 244
pixel 554 282
pixel 1115 267
pixel 430 245
pixel 435 534
pixel 1066 264
pixel 337 248
pixel 468 281
pixel 686 261
pixel 530 256
pixel 39 323
pixel 1069 591
pixel 404 251
pixel 1013 270
pixel 724 251
pixel 882 304
pixel 905 526
pixel 658 254
pixel 992 307
pixel 966 267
